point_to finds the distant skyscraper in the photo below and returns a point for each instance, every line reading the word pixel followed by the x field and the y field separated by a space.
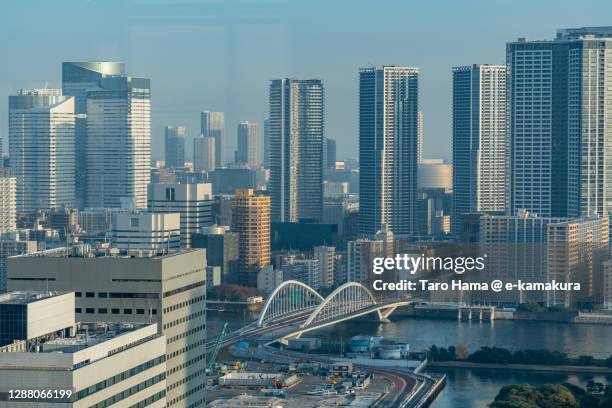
pixel 175 146
pixel 388 147
pixel 479 139
pixel 420 138
pixel 560 125
pixel 42 149
pixel 251 220
pixel 266 144
pixel 204 153
pixel 77 79
pixel 249 144
pixel 330 153
pixel 8 203
pixel 296 128
pixel 117 145
pixel 212 124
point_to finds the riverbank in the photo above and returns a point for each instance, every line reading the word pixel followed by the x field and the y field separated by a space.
pixel 568 369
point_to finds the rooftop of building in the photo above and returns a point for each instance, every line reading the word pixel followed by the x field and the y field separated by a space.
pixel 84 338
pixel 572 34
pixel 585 32
pixel 87 251
pixel 88 337
pixel 26 297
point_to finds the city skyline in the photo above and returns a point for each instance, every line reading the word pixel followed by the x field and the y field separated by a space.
pixel 198 197
pixel 242 94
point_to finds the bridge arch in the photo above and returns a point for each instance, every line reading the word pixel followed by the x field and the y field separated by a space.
pixel 287 298
pixel 345 299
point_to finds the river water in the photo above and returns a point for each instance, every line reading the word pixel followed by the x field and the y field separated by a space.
pixel 467 388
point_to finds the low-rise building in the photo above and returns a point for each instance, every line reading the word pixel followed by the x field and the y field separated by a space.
pixel 269 278
pixel 147 231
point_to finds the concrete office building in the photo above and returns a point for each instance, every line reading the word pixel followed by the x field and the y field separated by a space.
pixel 251 221
pixel 515 248
pixel 95 221
pixel 11 245
pixel 269 278
pixel 204 156
pixel 42 149
pixel 124 366
pixel 326 255
pixel 434 208
pixel 479 139
pixel 296 134
pixel 168 290
pixel 28 316
pixel 213 277
pixel 249 144
pixel 575 252
pixel 560 124
pixel 360 258
pixel 77 79
pixel 221 250
pixel 118 162
pixel 63 220
pixel 174 141
pixel 228 180
pixel 212 124
pixel 193 201
pixel 8 203
pixel 388 147
pixel 307 271
pixel 607 285
pixel 147 231
pixel 223 209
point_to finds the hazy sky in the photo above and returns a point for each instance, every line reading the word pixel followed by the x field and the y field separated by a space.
pixel 220 55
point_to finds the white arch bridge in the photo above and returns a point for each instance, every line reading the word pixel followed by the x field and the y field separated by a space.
pixel 303 308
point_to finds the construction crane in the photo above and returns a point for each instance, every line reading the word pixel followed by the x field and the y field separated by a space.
pixel 213 356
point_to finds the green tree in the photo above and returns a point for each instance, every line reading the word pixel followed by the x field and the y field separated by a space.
pixel 546 396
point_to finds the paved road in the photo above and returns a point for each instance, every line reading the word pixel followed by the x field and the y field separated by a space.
pixel 409 389
pixel 407 386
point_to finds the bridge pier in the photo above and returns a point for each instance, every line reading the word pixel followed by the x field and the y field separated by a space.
pixel 383 314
